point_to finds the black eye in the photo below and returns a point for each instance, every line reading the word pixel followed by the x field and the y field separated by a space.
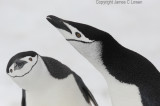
pixel 78 35
pixel 11 70
pixel 30 59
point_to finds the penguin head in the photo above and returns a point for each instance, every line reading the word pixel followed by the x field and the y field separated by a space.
pixel 82 37
pixel 78 32
pixel 23 67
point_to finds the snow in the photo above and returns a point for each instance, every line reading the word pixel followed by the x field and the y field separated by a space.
pixel 23 27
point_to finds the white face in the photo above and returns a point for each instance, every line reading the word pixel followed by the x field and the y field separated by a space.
pixel 75 36
pixel 27 75
pixel 24 66
pixel 90 49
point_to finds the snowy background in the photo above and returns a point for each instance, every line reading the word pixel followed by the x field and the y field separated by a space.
pixel 23 27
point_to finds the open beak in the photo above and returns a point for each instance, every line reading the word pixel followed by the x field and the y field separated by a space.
pixel 58 23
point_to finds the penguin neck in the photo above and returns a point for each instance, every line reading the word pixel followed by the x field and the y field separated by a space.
pixel 91 51
pixel 37 78
pixel 121 94
pixel 42 77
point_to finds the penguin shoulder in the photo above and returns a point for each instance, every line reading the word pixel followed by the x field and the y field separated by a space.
pixel 56 68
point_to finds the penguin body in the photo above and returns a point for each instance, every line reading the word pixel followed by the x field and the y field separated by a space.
pixel 47 82
pixel 132 79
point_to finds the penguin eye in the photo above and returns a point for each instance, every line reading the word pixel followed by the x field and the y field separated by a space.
pixel 78 35
pixel 11 70
pixel 30 59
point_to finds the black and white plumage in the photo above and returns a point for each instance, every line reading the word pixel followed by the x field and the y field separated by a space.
pixel 132 79
pixel 47 82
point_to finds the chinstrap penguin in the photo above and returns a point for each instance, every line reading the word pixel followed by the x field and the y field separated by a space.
pixel 132 79
pixel 47 82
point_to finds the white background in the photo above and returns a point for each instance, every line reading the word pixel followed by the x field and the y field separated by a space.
pixel 23 27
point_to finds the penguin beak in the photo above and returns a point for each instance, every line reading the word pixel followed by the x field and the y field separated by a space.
pixel 58 23
pixel 19 64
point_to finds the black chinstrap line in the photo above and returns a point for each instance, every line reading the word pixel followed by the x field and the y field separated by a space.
pixel 78 41
pixel 28 71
